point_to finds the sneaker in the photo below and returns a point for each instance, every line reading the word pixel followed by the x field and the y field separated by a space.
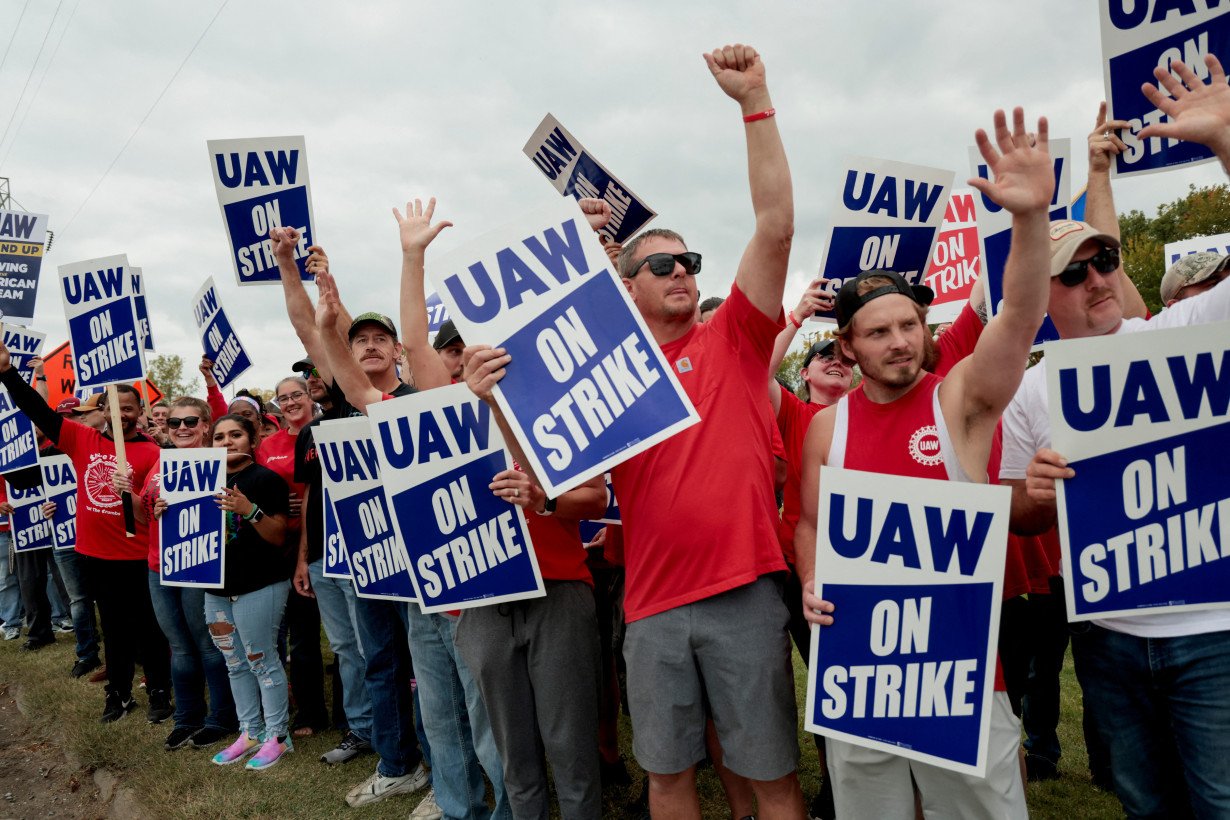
pixel 116 707
pixel 179 737
pixel 83 668
pixel 100 674
pixel 351 747
pixel 12 633
pixel 270 753
pixel 428 808
pixel 209 736
pixel 238 750
pixel 63 627
pixel 160 707
pixel 377 787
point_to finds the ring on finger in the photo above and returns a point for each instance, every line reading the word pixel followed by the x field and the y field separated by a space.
pixel 516 492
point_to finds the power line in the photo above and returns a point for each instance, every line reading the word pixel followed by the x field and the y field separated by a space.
pixel 30 76
pixel 13 36
pixel 154 105
pixel 38 88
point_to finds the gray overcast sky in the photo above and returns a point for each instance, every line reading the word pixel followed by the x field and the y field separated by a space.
pixel 402 99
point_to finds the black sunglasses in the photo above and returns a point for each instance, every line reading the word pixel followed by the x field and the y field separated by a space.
pixel 1104 261
pixel 188 421
pixel 662 264
pixel 307 374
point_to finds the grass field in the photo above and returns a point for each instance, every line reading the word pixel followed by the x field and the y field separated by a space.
pixel 184 784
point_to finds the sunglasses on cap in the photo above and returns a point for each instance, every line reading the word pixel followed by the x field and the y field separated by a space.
pixel 187 421
pixel 662 264
pixel 1104 261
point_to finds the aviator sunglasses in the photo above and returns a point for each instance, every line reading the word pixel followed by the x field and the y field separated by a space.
pixel 1104 261
pixel 188 421
pixel 661 264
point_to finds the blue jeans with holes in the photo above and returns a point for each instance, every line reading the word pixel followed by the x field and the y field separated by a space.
pixel 455 721
pixel 336 600
pixel 1161 705
pixel 258 682
pixel 80 604
pixel 195 661
pixel 10 592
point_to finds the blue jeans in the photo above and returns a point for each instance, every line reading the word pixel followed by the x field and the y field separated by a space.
pixel 246 631
pixel 80 604
pixel 336 600
pixel 456 722
pixel 10 592
pixel 1161 706
pixel 382 639
pixel 195 661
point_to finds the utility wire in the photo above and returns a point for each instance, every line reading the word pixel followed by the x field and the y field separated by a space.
pixel 13 36
pixel 30 76
pixel 154 105
pixel 38 88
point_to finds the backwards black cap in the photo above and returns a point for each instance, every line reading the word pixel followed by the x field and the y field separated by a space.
pixel 820 348
pixel 849 300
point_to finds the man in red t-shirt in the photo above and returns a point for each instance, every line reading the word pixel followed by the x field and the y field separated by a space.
pixel 113 564
pixel 875 428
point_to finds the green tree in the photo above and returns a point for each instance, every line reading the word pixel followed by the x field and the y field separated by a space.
pixel 1202 212
pixel 168 373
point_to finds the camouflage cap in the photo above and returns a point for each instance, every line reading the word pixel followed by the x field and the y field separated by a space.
pixel 1190 269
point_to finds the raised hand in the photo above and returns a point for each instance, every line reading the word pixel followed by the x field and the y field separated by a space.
pixel 1104 143
pixel 207 370
pixel 1024 178
pixel 318 260
pixel 415 227
pixel 328 302
pixel 816 298
pixel 483 367
pixel 1196 112
pixel 597 212
pixel 284 241
pixel 739 72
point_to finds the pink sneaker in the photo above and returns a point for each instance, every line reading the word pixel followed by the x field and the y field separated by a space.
pixel 237 751
pixel 271 752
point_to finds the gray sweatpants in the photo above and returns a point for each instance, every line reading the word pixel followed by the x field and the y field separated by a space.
pixel 537 666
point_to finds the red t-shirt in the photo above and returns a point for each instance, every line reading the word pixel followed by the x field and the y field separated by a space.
pixel 4 497
pixel 216 401
pixel 557 545
pixel 793 418
pixel 149 494
pixel 100 516
pixel 277 453
pixel 698 513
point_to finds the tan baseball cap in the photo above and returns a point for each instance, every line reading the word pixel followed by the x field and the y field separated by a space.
pixel 1067 235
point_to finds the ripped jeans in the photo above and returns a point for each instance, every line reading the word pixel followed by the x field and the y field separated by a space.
pixel 245 630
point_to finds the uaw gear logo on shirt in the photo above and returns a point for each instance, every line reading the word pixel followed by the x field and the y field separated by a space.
pixel 97 482
pixel 925 446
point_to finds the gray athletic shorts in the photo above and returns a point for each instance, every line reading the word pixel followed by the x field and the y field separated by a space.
pixel 731 649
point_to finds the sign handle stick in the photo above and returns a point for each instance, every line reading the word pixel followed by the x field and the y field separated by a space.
pixel 121 458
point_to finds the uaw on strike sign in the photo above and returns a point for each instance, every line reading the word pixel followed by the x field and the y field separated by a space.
pixel 915 570
pixel 1143 420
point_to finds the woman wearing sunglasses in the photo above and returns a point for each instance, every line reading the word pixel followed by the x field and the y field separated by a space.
pixel 195 662
pixel 243 616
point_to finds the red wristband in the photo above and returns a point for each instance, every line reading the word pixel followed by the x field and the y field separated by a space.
pixel 763 115
pixel 793 320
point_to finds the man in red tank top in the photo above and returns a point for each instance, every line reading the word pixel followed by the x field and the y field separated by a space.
pixel 903 420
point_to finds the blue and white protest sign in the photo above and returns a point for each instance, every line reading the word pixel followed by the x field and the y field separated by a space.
pixel 23 346
pixel 351 472
pixel 23 240
pixel 335 563
pixel 138 303
pixel 438 452
pixel 218 339
pixel 31 531
pixel 915 570
pixel 262 183
pixel 192 529
pixel 587 387
pixel 612 503
pixel 102 322
pixel 1143 420
pixel 886 218
pixel 60 486
pixel 18 446
pixel 1138 36
pixel 573 171
pixel 437 314
pixel 1220 243
pixel 995 227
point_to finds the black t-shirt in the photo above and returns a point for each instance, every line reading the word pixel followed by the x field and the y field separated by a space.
pixel 307 467
pixel 253 563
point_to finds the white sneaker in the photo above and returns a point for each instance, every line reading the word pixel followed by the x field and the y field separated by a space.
pixel 377 787
pixel 428 808
pixel 12 633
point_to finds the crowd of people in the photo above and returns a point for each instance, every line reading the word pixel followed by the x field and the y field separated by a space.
pixel 686 611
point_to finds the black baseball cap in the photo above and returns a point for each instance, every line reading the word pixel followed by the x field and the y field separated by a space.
pixel 849 301
pixel 820 348
pixel 372 318
pixel 304 365
pixel 447 335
